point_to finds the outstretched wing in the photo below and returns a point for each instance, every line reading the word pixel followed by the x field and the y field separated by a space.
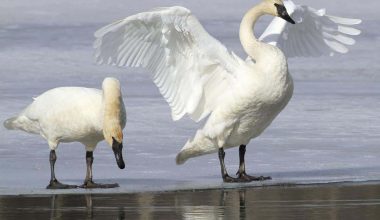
pixel 314 34
pixel 191 69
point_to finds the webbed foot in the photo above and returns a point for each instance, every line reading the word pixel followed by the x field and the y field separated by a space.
pixel 91 185
pixel 55 184
pixel 248 178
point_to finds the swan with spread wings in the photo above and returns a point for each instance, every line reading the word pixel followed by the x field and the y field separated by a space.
pixel 200 78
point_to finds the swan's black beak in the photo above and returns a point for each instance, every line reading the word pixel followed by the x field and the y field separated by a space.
pixel 282 13
pixel 118 149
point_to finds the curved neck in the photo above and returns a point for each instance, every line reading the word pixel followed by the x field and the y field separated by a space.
pixel 112 118
pixel 248 40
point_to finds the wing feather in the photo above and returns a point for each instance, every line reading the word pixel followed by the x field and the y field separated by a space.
pixel 315 33
pixel 345 21
pixel 191 69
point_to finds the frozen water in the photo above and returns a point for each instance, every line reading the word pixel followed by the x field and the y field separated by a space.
pixel 328 133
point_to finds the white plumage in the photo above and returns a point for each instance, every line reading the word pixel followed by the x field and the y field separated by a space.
pixel 315 34
pixel 63 114
pixel 171 42
pixel 199 77
pixel 76 114
pixel 66 114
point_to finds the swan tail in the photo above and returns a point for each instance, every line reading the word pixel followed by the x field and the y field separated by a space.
pixel 22 123
pixel 207 140
pixel 9 123
pixel 199 145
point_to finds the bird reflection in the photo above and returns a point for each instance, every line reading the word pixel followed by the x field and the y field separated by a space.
pixel 242 211
pixel 54 214
pixel 89 206
pixel 223 204
pixel 81 207
pixel 330 202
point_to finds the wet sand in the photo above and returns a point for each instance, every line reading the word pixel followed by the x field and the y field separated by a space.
pixel 335 201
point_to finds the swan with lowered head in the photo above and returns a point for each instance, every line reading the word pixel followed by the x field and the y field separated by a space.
pixel 199 77
pixel 76 114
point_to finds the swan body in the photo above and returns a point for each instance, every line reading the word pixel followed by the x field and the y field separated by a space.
pixel 199 77
pixel 76 114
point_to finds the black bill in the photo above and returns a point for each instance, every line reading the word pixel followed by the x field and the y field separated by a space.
pixel 282 13
pixel 118 151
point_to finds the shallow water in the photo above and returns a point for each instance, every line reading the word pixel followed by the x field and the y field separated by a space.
pixel 313 202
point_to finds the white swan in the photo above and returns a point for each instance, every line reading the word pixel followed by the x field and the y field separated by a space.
pixel 199 77
pixel 76 114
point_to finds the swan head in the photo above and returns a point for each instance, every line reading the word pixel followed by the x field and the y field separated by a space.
pixel 113 118
pixel 277 9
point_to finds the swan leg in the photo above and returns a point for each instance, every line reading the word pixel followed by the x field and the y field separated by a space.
pixel 88 182
pixel 225 176
pixel 54 183
pixel 241 172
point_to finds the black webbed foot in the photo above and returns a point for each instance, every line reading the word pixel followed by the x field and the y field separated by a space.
pixel 249 178
pixel 229 179
pixel 55 184
pixel 91 185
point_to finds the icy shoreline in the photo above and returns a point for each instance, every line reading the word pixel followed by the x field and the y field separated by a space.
pixel 181 187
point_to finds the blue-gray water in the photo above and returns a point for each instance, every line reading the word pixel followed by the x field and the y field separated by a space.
pixel 314 202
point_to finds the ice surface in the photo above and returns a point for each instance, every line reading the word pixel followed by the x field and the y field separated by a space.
pixel 328 133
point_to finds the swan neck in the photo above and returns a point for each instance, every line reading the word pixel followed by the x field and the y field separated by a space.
pixel 248 39
pixel 112 114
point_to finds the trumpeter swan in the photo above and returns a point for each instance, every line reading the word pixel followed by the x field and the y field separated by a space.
pixel 77 114
pixel 199 77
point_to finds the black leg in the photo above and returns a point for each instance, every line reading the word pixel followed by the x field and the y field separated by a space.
pixel 89 161
pixel 225 176
pixel 88 183
pixel 241 172
pixel 54 183
pixel 52 159
pixel 242 150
